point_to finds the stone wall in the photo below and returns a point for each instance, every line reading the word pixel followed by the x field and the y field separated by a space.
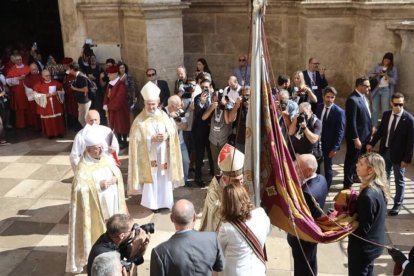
pixel 149 33
pixel 347 37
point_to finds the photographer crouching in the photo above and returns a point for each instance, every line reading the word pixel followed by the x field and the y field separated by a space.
pixel 125 237
pixel 305 132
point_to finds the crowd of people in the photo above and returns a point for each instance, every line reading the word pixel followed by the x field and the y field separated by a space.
pixel 169 134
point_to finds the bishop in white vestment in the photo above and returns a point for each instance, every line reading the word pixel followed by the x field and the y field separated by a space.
pixel 155 164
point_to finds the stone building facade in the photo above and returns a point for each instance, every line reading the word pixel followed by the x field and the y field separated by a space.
pixel 348 37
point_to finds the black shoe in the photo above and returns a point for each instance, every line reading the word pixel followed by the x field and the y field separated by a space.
pixel 394 211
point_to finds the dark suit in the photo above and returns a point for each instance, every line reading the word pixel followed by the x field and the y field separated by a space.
pixel 187 253
pixel 400 148
pixel 409 270
pixel 165 92
pixel 321 83
pixel 358 125
pixel 317 188
pixel 333 130
pixel 371 210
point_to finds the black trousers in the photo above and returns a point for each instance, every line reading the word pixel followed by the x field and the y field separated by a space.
pixel 351 158
pixel 200 142
pixel 299 262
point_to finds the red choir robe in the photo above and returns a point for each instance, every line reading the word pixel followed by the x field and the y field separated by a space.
pixel 117 101
pixel 71 106
pixel 34 119
pixel 51 110
pixel 19 102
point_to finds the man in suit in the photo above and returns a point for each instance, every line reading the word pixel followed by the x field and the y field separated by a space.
pixel 333 129
pixel 315 79
pixel 402 263
pixel 162 85
pixel 358 128
pixel 396 132
pixel 314 185
pixel 187 252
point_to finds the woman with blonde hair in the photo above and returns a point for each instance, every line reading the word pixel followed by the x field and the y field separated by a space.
pixel 243 233
pixel 300 91
pixel 365 243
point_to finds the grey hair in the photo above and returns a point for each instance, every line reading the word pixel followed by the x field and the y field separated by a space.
pixel 107 264
pixel 306 106
pixel 284 92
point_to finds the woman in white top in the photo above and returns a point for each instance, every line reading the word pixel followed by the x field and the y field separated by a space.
pixel 240 257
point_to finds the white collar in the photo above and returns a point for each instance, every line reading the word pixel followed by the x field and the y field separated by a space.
pixel 398 114
pixel 20 66
pixel 113 82
pixel 309 178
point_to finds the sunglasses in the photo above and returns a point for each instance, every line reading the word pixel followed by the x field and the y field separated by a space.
pixel 242 60
pixel 398 104
pixel 151 75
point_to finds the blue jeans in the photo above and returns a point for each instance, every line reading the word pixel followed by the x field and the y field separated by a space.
pixel 398 175
pixel 380 103
pixel 186 160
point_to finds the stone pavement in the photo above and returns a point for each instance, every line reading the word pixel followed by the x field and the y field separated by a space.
pixel 35 181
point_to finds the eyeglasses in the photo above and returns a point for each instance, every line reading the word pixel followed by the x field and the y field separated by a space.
pixel 151 75
pixel 315 63
pixel 242 60
pixel 398 104
pixel 367 85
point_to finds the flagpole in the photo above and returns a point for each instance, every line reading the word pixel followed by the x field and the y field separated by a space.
pixel 256 81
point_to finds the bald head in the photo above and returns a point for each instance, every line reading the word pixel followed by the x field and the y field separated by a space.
pixel 183 214
pixel 92 117
pixel 307 164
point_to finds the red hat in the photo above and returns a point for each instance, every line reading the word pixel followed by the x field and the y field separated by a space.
pixel 67 60
pixel 112 69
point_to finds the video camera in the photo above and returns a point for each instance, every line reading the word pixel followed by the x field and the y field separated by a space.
pixel 303 117
pixel 186 89
pixel 125 248
pixel 283 105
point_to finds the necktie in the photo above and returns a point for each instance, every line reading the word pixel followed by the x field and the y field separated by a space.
pixel 314 78
pixel 392 129
pixel 325 115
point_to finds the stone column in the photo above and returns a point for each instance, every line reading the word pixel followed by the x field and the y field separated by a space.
pixel 405 55
pixel 164 37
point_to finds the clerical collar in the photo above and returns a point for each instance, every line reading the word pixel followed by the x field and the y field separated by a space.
pixel 113 82
pixel 49 81
pixel 156 113
pixel 20 66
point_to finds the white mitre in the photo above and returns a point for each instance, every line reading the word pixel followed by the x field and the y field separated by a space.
pixel 93 136
pixel 231 160
pixel 150 91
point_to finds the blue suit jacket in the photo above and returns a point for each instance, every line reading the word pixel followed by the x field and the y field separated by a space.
pixel 333 129
pixel 318 189
pixel 402 143
pixel 358 120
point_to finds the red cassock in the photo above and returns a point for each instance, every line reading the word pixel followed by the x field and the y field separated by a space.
pixel 34 119
pixel 51 114
pixel 19 102
pixel 71 106
pixel 117 102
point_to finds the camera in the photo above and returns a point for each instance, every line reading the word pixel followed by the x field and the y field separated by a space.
pixel 186 90
pixel 179 115
pixel 303 117
pixel 125 248
pixel 283 105
pixel 245 99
